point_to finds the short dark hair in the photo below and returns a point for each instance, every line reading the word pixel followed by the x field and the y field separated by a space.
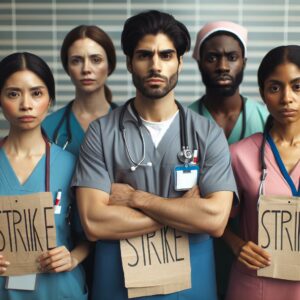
pixel 99 36
pixel 274 58
pixel 21 61
pixel 221 32
pixel 154 22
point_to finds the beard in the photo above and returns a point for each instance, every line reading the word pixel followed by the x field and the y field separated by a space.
pixel 155 91
pixel 223 90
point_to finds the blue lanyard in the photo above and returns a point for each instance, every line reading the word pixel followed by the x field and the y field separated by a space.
pixel 295 192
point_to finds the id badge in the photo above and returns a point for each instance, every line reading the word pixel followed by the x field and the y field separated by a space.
pixel 186 176
pixel 21 282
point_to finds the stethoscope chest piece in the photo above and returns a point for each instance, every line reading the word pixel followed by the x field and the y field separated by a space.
pixel 185 155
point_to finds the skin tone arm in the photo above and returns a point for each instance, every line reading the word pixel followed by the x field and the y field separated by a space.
pixel 189 213
pixel 103 221
pixel 248 253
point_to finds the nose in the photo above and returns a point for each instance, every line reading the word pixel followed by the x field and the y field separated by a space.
pixel 156 63
pixel 26 102
pixel 287 96
pixel 223 66
pixel 86 67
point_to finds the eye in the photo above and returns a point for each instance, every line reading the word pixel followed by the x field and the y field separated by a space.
pixel 75 61
pixel 296 87
pixel 37 93
pixel 211 58
pixel 96 59
pixel 274 88
pixel 232 57
pixel 13 94
pixel 143 55
pixel 166 55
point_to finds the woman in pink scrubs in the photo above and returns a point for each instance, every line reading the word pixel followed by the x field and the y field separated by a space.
pixel 279 85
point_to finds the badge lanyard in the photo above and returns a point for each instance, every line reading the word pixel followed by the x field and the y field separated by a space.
pixel 267 137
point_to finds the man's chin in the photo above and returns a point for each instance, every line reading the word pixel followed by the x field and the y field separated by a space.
pixel 225 91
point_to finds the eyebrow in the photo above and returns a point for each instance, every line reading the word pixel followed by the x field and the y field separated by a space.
pixel 280 82
pixel 166 51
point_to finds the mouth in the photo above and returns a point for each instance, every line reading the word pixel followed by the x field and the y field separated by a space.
pixel 27 119
pixel 87 81
pixel 287 112
pixel 154 80
pixel 223 80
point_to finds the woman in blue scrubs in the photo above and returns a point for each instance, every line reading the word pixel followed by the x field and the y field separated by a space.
pixel 88 57
pixel 26 92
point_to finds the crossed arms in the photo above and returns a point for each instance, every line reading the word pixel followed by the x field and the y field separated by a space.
pixel 128 213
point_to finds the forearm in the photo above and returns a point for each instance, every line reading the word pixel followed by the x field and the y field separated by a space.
pixel 116 222
pixel 81 251
pixel 189 214
pixel 233 241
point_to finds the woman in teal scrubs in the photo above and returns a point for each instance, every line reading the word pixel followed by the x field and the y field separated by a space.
pixel 26 92
pixel 88 57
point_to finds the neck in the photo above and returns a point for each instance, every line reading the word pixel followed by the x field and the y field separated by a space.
pixel 25 142
pixel 155 110
pixel 217 103
pixel 289 134
pixel 92 103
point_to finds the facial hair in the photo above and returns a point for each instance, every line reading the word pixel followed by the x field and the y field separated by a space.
pixel 222 90
pixel 155 91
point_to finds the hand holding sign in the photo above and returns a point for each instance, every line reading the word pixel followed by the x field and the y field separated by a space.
pixel 3 264
pixel 57 260
pixel 253 256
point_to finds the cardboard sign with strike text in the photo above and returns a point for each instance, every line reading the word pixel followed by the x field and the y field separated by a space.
pixel 27 229
pixel 156 263
pixel 279 234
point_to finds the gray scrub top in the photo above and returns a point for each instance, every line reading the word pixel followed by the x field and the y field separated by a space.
pixel 103 159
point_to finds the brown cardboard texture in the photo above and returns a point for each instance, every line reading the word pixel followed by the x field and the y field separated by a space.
pixel 279 234
pixel 27 229
pixel 156 263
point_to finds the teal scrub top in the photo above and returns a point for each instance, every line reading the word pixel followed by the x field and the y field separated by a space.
pixel 65 285
pixel 52 121
pixel 256 115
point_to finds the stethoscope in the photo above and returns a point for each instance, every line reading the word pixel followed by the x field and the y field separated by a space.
pixel 242 135
pixel 66 116
pixel 184 155
pixel 264 172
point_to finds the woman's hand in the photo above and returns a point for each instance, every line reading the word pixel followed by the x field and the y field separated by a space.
pixel 57 260
pixel 3 264
pixel 253 256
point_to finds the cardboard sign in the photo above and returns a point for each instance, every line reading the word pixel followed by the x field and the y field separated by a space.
pixel 27 229
pixel 279 234
pixel 156 263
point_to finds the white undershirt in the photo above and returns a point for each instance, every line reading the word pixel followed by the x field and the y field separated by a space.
pixel 156 129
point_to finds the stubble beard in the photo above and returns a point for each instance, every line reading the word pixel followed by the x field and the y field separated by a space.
pixel 155 92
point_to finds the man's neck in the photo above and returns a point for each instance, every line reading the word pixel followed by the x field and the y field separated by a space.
pixel 218 104
pixel 155 110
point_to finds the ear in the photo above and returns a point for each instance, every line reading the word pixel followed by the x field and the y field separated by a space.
pixel 180 65
pixel 128 64
pixel 244 62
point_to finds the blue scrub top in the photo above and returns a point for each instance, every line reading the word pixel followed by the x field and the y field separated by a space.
pixel 51 122
pixel 65 285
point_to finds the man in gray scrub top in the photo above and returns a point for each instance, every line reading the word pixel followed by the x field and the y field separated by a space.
pixel 153 163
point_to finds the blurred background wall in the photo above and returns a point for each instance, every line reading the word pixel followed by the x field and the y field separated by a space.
pixel 39 26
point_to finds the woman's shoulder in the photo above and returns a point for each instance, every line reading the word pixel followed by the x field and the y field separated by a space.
pixel 62 156
pixel 248 143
